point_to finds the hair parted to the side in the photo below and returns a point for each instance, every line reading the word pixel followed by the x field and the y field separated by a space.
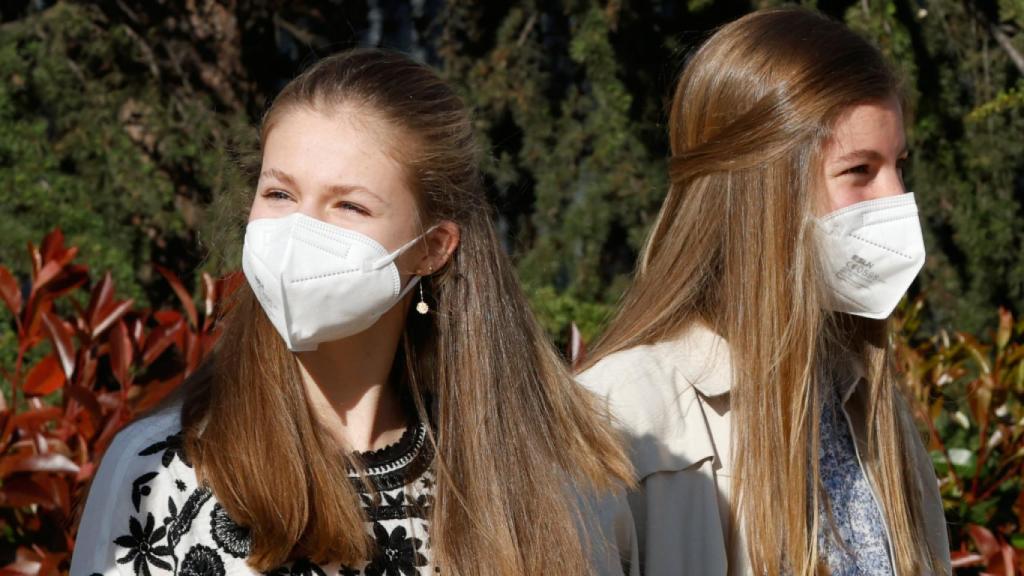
pixel 513 430
pixel 750 116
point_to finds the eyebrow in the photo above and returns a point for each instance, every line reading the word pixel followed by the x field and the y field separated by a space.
pixel 279 175
pixel 287 179
pixel 866 154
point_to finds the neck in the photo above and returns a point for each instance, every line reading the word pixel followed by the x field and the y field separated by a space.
pixel 349 385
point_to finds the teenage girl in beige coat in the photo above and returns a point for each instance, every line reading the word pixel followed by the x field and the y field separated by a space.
pixel 750 364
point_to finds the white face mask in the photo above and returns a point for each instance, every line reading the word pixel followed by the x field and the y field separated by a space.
pixel 318 282
pixel 872 251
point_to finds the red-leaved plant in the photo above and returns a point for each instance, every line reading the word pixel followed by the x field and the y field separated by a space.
pixel 88 363
pixel 96 363
pixel 969 397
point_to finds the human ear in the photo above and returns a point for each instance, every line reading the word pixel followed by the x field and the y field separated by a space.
pixel 440 244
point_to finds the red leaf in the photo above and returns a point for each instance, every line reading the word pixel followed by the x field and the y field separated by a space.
pixel 226 287
pixel 49 462
pixel 37 260
pixel 34 562
pixel 964 559
pixel 101 299
pixel 137 330
pixel 113 425
pixel 155 392
pixel 984 540
pixel 26 563
pixel 1009 559
pixel 194 352
pixel 121 354
pixel 33 419
pixel 32 317
pixel 19 568
pixel 86 472
pixel 86 398
pixel 21 491
pixel 60 335
pixel 159 339
pixel 209 339
pixel 50 271
pixel 183 295
pixel 86 373
pixel 210 289
pixel 10 291
pixel 53 245
pixel 51 562
pixel 167 317
pixel 62 491
pixel 45 378
pixel 110 316
pixel 74 276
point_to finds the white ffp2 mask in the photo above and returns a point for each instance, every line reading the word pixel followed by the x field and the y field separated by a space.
pixel 318 282
pixel 872 251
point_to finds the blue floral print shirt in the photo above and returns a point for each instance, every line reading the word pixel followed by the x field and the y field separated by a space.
pixel 853 537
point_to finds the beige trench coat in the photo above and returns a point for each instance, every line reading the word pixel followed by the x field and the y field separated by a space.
pixel 671 401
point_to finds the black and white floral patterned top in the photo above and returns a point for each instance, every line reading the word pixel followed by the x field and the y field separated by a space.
pixel 147 515
pixel 855 542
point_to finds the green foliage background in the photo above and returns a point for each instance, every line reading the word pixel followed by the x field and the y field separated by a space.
pixel 130 125
pixel 125 123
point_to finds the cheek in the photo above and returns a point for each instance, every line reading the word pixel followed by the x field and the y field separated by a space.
pixel 839 194
pixel 258 210
pixel 401 233
pixel 408 263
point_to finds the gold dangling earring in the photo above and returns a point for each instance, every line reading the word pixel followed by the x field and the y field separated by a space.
pixel 422 307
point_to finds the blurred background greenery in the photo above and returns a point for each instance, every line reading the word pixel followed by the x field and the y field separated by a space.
pixel 127 123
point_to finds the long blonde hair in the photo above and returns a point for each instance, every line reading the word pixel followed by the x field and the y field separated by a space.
pixel 512 429
pixel 750 116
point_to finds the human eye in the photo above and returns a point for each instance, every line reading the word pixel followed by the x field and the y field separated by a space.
pixel 277 195
pixel 353 207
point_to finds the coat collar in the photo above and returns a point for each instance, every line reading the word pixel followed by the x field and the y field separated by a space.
pixel 704 359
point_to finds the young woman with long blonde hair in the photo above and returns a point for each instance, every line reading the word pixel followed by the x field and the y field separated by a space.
pixel 750 362
pixel 382 401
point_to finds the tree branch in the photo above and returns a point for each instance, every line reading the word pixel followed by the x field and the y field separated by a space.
pixel 1006 43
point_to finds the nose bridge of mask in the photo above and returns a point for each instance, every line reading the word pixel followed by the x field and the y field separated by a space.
pixel 898 215
pixel 871 212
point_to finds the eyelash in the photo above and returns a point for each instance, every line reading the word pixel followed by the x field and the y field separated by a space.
pixel 354 207
pixel 276 195
pixel 280 195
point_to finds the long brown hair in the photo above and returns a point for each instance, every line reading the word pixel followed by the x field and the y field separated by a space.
pixel 751 114
pixel 513 431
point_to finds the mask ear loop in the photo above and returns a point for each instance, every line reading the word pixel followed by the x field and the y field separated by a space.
pixel 389 258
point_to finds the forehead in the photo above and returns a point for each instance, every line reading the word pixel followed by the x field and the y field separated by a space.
pixel 348 143
pixel 872 126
